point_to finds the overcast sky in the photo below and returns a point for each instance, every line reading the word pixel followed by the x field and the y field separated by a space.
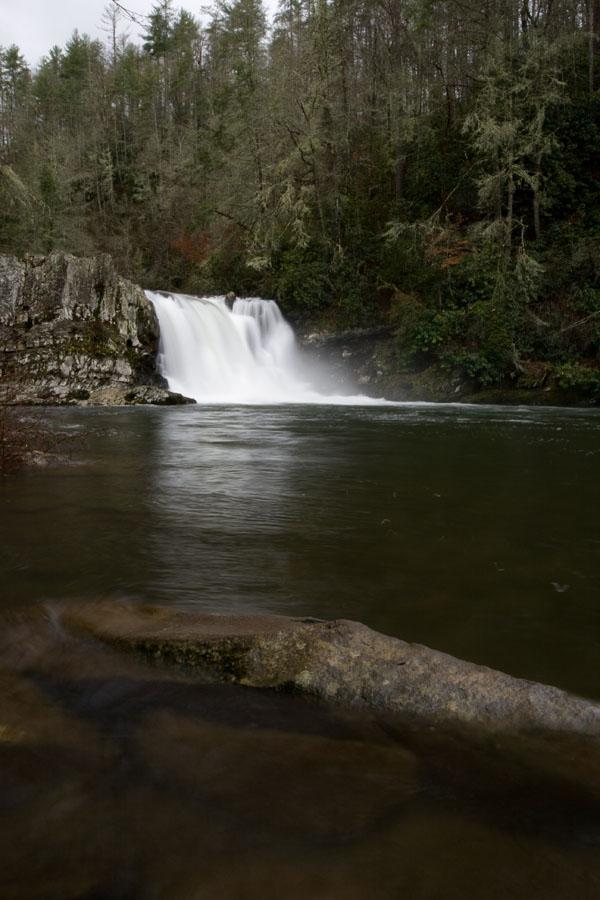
pixel 37 25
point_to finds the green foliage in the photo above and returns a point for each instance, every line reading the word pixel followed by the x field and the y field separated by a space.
pixel 227 269
pixel 572 186
pixel 473 279
pixel 486 350
pixel 476 339
pixel 417 163
pixel 579 378
pixel 481 368
pixel 435 329
pixel 403 258
pixel 158 39
pixel 301 281
pixel 311 283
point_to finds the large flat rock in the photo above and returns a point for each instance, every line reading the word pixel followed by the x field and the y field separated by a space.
pixel 340 661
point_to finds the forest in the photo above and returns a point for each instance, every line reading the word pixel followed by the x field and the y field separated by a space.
pixel 423 164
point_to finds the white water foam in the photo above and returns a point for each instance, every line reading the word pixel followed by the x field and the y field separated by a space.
pixel 243 355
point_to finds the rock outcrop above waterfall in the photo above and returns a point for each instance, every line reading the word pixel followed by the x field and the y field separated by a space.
pixel 73 331
pixel 342 662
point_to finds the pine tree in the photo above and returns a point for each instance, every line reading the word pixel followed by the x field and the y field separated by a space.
pixel 157 40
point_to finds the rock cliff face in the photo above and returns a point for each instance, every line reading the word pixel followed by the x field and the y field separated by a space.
pixel 73 331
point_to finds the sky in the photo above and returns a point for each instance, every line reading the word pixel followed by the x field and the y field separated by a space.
pixel 37 25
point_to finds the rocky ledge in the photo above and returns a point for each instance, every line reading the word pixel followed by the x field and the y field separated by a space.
pixel 341 662
pixel 368 361
pixel 73 331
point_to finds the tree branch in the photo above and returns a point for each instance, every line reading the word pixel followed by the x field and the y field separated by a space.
pixel 133 17
pixel 580 322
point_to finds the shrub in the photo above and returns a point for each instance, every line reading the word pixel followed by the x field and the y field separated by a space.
pixel 472 280
pixel 579 377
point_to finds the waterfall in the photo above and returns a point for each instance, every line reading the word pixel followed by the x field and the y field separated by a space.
pixel 245 354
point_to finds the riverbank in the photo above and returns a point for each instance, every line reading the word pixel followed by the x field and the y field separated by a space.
pixel 371 361
pixel 73 332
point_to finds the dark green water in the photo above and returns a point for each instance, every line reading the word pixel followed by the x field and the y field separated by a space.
pixel 475 531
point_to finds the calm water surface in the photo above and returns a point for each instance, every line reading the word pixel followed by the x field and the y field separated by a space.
pixel 473 530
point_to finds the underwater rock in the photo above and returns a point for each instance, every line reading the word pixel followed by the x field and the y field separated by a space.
pixel 341 662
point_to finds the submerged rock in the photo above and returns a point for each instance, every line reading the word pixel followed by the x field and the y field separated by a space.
pixel 73 331
pixel 342 662
pixel 121 779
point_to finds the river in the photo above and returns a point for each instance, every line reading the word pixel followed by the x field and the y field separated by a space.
pixel 472 530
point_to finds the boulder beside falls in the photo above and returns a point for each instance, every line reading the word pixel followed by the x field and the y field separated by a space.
pixel 341 662
pixel 73 331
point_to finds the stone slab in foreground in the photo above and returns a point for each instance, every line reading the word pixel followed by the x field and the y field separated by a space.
pixel 340 661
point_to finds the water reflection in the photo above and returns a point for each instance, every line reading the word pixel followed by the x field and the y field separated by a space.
pixel 224 496
pixel 451 526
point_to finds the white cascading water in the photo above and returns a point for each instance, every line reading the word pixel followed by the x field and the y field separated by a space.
pixel 246 354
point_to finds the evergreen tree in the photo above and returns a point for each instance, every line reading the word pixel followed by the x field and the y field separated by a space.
pixel 359 152
pixel 157 40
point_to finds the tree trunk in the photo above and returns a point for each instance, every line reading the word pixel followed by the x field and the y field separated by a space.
pixel 591 42
pixel 510 202
pixel 399 172
pixel 536 196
